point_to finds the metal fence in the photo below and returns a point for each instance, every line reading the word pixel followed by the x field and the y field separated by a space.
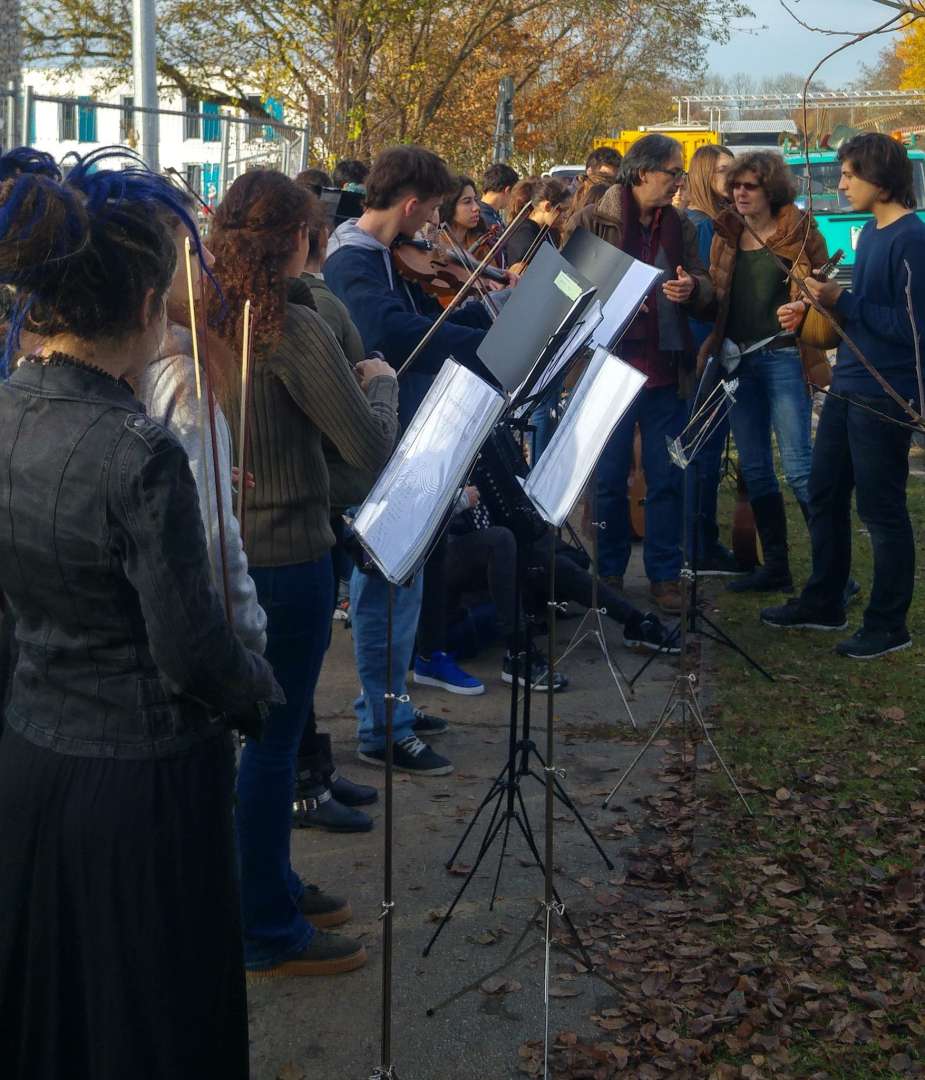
pixel 222 142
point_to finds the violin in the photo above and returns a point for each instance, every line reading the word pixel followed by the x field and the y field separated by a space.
pixel 440 272
pixel 484 243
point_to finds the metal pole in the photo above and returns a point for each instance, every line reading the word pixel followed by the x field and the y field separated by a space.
pixel 27 110
pixel 225 155
pixel 303 152
pixel 145 78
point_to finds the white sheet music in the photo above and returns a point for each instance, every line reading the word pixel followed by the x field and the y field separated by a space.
pixel 604 393
pixel 624 302
pixel 408 503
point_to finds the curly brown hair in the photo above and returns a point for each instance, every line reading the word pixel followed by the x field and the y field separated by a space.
pixel 253 236
pixel 772 173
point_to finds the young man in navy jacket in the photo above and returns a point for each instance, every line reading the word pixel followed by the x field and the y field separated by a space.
pixel 863 436
pixel 403 191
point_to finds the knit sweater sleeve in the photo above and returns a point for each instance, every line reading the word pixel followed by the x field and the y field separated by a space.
pixel 316 375
pixel 169 398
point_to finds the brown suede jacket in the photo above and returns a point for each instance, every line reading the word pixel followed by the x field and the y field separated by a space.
pixel 605 219
pixel 787 242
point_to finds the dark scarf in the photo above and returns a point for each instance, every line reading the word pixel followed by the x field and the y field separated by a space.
pixel 665 235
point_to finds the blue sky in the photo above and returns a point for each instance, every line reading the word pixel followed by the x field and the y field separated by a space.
pixel 787 46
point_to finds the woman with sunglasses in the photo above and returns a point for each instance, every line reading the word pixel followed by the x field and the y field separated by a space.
pixel 762 227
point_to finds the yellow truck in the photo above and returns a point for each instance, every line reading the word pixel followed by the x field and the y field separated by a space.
pixel 691 139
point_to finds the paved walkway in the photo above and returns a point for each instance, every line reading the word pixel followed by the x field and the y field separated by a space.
pixel 329 1029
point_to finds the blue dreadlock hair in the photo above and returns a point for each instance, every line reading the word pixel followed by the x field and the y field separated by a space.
pixel 82 253
pixel 25 159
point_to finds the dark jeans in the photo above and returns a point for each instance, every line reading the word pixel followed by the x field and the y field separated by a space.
pixel 573 581
pixel 492 553
pixel 660 414
pixel 854 448
pixel 298 601
pixel 485 554
pixel 431 635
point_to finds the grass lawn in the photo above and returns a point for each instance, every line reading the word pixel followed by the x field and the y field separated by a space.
pixel 790 944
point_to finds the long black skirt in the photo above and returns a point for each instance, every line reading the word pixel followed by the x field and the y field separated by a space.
pixel 120 936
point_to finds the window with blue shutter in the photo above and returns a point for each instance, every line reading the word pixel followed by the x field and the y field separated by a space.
pixel 211 129
pixel 210 176
pixel 275 109
pixel 86 120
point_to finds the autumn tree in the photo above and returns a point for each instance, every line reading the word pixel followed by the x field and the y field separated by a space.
pixel 366 73
pixel 910 49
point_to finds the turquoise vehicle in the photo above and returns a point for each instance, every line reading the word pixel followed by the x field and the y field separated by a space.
pixel 840 225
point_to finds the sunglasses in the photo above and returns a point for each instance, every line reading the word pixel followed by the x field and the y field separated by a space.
pixel 675 174
pixel 747 185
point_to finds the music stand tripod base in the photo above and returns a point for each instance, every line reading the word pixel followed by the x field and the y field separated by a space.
pixel 684 696
pixel 592 623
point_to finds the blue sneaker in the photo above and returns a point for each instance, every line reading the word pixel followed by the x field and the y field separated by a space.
pixel 441 669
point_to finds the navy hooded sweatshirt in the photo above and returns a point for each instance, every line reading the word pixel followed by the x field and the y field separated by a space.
pixel 393 314
pixel 875 310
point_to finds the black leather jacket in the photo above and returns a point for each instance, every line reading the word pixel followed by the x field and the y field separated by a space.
pixel 124 649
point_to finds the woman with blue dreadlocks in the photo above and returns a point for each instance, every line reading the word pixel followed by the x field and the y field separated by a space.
pixel 120 940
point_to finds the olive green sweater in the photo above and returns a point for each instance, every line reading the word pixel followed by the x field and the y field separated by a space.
pixel 306 389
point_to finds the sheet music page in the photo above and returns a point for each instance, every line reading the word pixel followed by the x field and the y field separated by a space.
pixel 606 390
pixel 409 501
pixel 621 306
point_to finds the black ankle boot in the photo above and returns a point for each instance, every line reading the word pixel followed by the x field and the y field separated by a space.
pixel 316 808
pixel 345 791
pixel 774 575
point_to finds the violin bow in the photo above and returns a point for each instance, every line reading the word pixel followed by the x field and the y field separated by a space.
pixel 204 389
pixel 200 404
pixel 457 299
pixel 247 382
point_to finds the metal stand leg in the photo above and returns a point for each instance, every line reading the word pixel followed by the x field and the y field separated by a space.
pixel 592 624
pixel 386 1070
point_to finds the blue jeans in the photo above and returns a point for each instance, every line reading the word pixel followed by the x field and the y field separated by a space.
pixel 369 615
pixel 773 393
pixel 660 413
pixel 855 449
pixel 298 601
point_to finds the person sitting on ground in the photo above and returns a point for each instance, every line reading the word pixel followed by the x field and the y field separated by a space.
pixel 863 437
pixel 351 175
pixel 482 552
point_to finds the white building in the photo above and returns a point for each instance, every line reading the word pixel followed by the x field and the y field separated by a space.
pixel 193 145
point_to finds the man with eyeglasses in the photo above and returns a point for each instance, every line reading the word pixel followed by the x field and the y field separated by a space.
pixel 636 216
